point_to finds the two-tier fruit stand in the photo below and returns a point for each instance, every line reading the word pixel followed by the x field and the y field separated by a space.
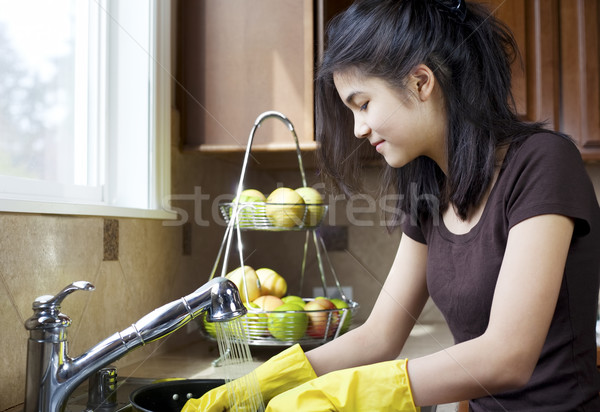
pixel 260 325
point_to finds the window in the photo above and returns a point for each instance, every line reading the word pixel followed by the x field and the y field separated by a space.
pixel 85 107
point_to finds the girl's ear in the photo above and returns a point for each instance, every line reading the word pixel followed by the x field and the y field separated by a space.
pixel 423 82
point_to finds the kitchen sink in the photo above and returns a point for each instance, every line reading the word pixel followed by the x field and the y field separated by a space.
pixel 78 400
pixel 154 395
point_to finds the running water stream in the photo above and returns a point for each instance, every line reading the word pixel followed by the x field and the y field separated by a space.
pixel 242 385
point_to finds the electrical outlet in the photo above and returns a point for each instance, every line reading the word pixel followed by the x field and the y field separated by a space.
pixel 334 237
pixel 333 292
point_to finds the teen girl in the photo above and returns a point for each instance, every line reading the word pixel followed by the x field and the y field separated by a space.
pixel 500 223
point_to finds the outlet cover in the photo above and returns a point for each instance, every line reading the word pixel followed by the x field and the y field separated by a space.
pixel 334 237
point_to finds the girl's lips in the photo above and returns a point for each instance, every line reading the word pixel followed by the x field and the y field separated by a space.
pixel 378 145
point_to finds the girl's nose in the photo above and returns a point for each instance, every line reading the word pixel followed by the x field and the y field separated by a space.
pixel 361 130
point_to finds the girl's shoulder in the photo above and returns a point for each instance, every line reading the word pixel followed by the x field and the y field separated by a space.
pixel 545 142
pixel 545 173
pixel 546 148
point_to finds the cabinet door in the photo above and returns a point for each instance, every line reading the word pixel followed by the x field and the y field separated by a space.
pixel 237 59
pixel 580 73
pixel 535 75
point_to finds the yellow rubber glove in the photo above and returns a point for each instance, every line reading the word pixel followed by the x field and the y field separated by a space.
pixel 279 374
pixel 379 387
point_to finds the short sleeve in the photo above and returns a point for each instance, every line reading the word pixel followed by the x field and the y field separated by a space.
pixel 413 230
pixel 548 177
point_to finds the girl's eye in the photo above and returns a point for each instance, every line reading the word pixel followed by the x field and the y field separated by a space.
pixel 364 106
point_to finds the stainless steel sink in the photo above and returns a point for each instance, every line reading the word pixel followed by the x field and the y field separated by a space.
pixel 78 400
pixel 156 395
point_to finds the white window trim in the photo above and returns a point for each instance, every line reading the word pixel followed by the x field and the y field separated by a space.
pixel 160 129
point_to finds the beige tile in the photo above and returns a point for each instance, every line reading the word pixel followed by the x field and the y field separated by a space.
pixel 13 352
pixel 43 254
pixel 374 248
pixel 115 305
pixel 106 310
pixel 149 255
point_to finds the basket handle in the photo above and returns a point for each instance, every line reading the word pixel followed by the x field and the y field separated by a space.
pixel 229 232
pixel 262 117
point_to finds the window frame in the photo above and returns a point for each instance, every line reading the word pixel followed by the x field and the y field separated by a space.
pixel 41 200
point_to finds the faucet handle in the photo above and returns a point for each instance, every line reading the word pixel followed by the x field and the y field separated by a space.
pixel 46 308
pixel 52 302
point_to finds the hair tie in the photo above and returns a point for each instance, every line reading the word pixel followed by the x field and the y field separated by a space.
pixel 455 8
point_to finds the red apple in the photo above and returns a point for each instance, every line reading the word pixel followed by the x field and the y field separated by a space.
pixel 319 311
pixel 268 302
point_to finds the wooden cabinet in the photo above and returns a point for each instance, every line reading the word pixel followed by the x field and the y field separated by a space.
pixel 535 73
pixel 558 80
pixel 237 59
pixel 580 79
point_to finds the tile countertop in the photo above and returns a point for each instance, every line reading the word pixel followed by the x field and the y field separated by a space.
pixel 192 361
pixel 195 360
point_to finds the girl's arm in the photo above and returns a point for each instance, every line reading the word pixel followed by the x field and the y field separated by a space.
pixel 398 306
pixel 525 297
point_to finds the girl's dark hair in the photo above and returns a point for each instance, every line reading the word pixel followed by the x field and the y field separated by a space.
pixel 470 58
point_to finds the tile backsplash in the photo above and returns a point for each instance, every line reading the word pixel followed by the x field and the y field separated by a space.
pixel 137 265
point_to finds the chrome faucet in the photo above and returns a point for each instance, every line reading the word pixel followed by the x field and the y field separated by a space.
pixel 52 375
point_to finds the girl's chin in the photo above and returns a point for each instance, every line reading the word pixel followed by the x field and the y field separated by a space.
pixel 395 162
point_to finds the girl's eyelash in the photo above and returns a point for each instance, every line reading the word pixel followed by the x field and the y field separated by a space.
pixel 364 106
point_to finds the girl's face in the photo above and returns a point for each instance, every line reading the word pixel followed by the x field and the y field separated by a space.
pixel 401 126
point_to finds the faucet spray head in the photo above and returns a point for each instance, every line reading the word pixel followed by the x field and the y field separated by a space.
pixel 226 303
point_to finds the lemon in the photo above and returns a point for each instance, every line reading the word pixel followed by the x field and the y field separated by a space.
pixel 288 326
pixel 251 208
pixel 285 207
pixel 314 201
pixel 247 282
pixel 271 282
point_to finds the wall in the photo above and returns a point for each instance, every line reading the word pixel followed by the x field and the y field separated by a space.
pixel 137 265
pixel 149 262
pixel 157 262
pixel 43 253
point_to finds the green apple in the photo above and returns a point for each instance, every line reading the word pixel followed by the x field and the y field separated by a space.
pixel 252 208
pixel 255 322
pixel 290 324
pixel 285 207
pixel 293 299
pixel 314 202
pixel 341 304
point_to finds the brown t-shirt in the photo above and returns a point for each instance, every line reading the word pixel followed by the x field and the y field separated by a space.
pixel 543 174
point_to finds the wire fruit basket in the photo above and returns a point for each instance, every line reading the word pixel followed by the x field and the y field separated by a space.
pixel 255 216
pixel 282 328
pixel 310 320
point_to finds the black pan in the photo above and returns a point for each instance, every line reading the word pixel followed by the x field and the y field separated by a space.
pixel 170 396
